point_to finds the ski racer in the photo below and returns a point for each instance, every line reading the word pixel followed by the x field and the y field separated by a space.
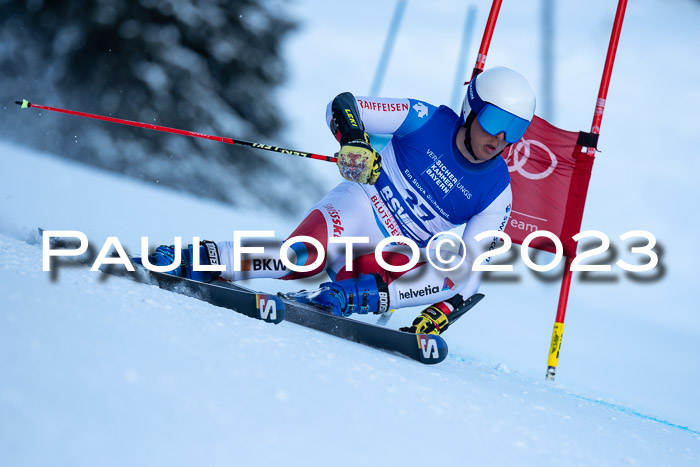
pixel 438 171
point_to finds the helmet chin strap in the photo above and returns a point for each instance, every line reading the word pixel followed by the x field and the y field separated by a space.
pixel 468 138
pixel 468 135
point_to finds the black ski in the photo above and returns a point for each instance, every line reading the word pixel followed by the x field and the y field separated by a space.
pixel 425 348
pixel 265 307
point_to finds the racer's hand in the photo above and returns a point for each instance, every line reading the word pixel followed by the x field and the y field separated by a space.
pixel 359 162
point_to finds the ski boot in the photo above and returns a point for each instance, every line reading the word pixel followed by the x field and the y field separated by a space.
pixel 367 293
pixel 208 255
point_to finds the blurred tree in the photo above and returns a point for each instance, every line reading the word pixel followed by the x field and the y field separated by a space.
pixel 204 65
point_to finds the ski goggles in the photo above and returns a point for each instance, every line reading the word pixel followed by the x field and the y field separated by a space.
pixel 495 120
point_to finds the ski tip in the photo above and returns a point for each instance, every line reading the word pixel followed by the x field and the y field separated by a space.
pixel 24 103
pixel 432 348
pixel 270 308
pixel 476 298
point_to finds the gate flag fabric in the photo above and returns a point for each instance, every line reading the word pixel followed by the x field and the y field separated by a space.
pixel 549 176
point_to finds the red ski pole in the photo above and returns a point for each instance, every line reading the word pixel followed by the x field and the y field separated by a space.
pixel 25 104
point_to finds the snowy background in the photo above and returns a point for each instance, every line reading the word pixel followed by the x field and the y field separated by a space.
pixel 106 372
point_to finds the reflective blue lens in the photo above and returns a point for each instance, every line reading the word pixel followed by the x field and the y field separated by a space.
pixel 495 120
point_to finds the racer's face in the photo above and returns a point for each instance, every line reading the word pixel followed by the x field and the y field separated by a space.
pixel 485 145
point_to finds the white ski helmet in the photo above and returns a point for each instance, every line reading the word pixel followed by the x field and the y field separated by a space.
pixel 502 101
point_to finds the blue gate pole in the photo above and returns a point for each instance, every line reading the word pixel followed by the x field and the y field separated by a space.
pixel 388 47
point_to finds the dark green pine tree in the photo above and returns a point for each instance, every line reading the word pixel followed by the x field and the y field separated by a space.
pixel 205 65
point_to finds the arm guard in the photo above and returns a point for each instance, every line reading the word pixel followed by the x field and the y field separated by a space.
pixel 345 123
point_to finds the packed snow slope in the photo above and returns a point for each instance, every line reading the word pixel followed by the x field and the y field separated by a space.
pixel 98 370
pixel 632 338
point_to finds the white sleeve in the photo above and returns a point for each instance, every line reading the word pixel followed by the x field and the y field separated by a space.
pixel 494 217
pixel 379 115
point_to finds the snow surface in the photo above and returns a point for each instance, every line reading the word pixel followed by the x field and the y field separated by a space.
pixel 98 371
